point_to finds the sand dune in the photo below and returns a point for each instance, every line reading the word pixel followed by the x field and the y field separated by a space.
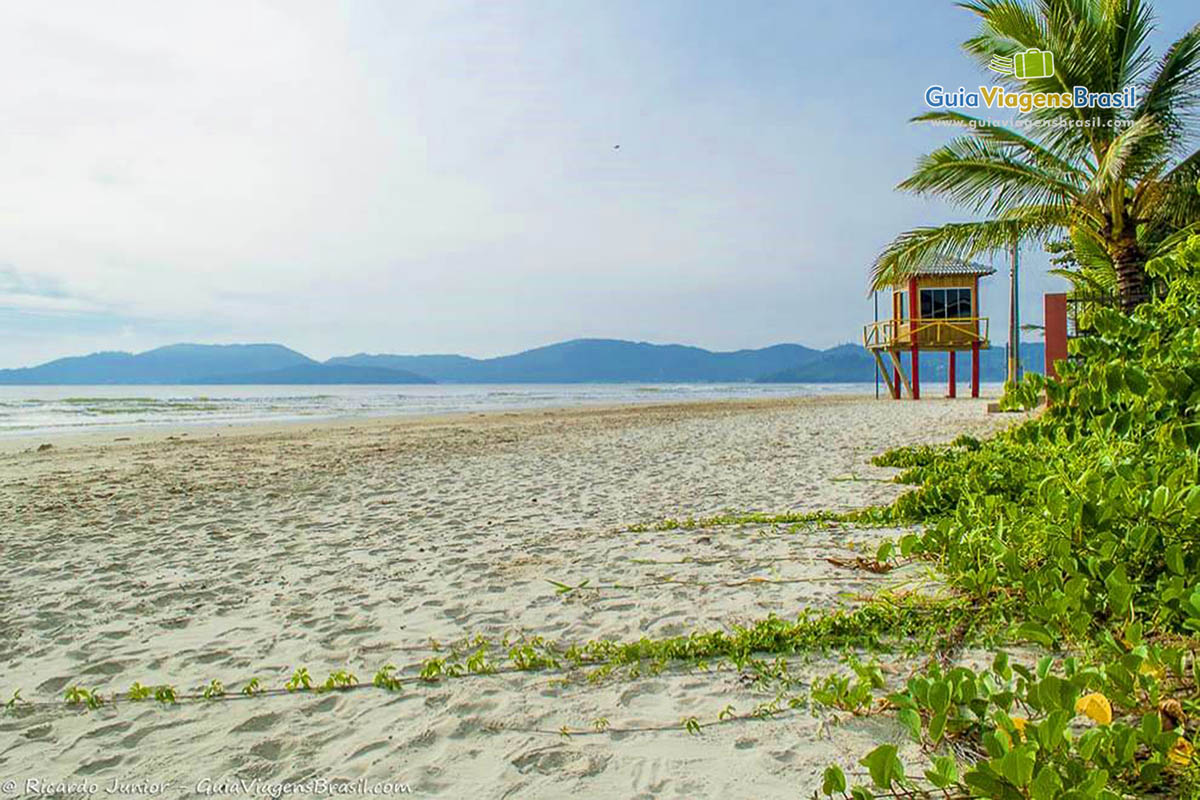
pixel 186 557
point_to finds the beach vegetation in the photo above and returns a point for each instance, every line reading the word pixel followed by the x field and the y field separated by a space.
pixel 338 679
pixel 300 681
pixel 1081 526
pixel 77 695
pixel 386 678
pixel 739 519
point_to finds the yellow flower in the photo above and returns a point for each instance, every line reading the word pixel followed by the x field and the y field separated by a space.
pixel 1155 671
pixel 1019 723
pixel 1096 706
pixel 1181 752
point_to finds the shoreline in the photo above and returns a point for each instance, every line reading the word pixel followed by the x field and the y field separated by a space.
pixel 140 434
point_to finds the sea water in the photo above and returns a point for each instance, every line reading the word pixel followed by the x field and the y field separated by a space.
pixel 38 409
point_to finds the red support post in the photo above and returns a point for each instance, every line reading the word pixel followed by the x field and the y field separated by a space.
pixel 916 372
pixel 914 315
pixel 896 382
pixel 953 379
pixel 975 368
pixel 1055 320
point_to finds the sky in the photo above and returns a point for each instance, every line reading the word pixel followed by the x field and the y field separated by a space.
pixel 475 178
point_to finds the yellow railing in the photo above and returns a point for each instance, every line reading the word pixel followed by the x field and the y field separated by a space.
pixel 877 335
pixel 891 333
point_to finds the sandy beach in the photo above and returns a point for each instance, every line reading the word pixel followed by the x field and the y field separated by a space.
pixel 186 556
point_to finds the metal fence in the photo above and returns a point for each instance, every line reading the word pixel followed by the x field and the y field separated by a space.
pixel 1080 307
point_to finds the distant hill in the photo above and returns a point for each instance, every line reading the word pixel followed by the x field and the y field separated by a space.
pixel 441 368
pixel 598 361
pixel 577 361
pixel 312 374
pixel 850 363
pixel 177 363
pixel 846 363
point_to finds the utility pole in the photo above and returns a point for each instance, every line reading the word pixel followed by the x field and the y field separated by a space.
pixel 1014 315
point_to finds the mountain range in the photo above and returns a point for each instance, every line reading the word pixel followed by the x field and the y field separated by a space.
pixel 576 361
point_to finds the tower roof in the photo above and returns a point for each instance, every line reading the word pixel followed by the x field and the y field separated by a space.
pixel 952 266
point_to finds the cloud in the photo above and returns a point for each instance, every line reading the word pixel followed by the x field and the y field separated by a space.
pixel 16 282
pixel 39 303
pixel 28 292
pixel 41 318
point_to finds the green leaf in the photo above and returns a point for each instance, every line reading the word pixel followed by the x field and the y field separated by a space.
pixel 1192 502
pixel 835 781
pixel 1174 559
pixel 1113 379
pixel 911 720
pixel 1035 632
pixel 996 746
pixel 1051 732
pixel 1159 500
pixel 936 726
pixel 990 785
pixel 883 765
pixel 1047 785
pixel 1120 592
pixel 939 696
pixel 1151 727
pixel 1151 772
pixel 944 772
pixel 1136 380
pixel 884 551
pixel 1017 766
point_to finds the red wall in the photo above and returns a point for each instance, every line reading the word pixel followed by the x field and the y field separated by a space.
pixel 1056 331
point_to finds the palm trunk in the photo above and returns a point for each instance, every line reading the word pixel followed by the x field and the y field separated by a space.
pixel 1133 286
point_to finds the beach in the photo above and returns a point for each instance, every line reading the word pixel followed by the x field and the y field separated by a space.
pixel 176 557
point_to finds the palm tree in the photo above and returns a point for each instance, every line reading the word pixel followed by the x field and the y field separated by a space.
pixel 1119 182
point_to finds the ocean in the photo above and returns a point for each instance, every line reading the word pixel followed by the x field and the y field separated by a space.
pixel 59 409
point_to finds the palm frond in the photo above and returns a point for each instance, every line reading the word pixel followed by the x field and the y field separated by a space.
pixel 1172 201
pixel 1130 24
pixel 980 174
pixel 921 247
pixel 1169 243
pixel 1173 93
pixel 1039 153
pixel 1050 215
pixel 1090 252
pixel 1009 27
pixel 1133 152
pixel 1087 283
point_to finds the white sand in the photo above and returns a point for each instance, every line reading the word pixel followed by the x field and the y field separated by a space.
pixel 348 546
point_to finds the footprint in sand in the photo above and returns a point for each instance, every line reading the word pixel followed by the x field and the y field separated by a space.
pixel 561 761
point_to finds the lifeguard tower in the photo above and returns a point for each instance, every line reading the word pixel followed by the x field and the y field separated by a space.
pixel 936 309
